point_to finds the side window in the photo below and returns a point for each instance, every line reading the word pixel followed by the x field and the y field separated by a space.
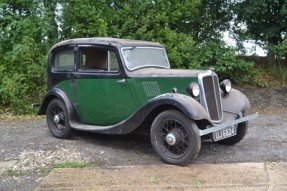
pixel 98 59
pixel 64 60
pixel 114 65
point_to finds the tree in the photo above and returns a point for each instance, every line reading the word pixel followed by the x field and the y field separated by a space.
pixel 83 18
pixel 50 20
pixel 207 22
pixel 262 20
pixel 24 44
pixel 189 29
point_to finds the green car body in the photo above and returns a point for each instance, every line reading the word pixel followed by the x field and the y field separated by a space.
pixel 113 102
pixel 114 86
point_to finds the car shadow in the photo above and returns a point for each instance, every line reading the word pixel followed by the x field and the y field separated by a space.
pixel 138 143
pixel 134 140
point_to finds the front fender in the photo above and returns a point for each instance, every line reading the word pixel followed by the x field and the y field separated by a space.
pixel 187 105
pixel 235 102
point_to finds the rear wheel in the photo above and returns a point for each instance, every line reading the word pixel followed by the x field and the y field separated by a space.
pixel 241 132
pixel 57 119
pixel 175 138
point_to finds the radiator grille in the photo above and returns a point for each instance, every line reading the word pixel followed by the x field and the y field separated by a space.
pixel 211 96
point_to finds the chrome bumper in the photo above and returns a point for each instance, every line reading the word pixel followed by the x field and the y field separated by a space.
pixel 227 124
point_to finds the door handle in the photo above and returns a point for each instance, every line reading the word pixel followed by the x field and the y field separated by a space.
pixel 122 81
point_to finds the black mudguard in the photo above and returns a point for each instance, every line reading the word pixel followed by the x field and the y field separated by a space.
pixel 56 93
pixel 235 102
pixel 187 105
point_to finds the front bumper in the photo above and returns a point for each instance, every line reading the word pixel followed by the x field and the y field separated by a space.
pixel 222 126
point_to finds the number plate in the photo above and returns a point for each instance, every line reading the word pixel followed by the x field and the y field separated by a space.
pixel 224 133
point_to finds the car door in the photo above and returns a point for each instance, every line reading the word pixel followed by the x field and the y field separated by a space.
pixel 102 95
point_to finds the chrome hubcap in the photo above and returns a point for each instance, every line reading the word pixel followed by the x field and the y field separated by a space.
pixel 56 119
pixel 170 139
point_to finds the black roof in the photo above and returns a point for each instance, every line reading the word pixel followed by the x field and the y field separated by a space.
pixel 107 41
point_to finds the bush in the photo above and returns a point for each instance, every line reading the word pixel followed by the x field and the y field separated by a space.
pixel 224 59
pixel 22 76
pixel 280 51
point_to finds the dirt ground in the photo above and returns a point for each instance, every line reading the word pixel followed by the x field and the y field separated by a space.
pixel 36 151
pixel 267 100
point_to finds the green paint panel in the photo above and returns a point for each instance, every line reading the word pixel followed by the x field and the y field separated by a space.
pixel 67 88
pixel 105 101
pixel 99 101
pixel 144 89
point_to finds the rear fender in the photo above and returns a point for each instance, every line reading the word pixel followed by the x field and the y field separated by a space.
pixel 56 93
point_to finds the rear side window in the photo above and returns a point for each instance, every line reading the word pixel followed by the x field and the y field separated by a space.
pixel 98 59
pixel 64 60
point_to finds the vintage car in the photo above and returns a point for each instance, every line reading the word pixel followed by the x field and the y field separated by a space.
pixel 114 86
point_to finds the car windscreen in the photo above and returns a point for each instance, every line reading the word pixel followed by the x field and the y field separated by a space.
pixel 141 57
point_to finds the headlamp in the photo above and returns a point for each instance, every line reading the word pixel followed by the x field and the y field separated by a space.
pixel 193 89
pixel 225 86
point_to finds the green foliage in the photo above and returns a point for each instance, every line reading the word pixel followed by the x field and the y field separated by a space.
pixel 280 71
pixel 155 21
pixel 14 173
pixel 83 18
pixel 265 20
pixel 189 29
pixel 280 50
pixel 154 180
pixel 22 77
pixel 224 59
pixel 73 164
pixel 22 58
pixel 265 74
pixel 208 20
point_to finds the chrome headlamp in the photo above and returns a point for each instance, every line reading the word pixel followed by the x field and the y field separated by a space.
pixel 193 89
pixel 225 86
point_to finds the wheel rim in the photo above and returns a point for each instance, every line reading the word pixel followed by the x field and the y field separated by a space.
pixel 58 119
pixel 172 139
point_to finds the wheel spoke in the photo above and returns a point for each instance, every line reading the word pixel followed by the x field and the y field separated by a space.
pixel 165 129
pixel 58 127
pixel 54 111
pixel 175 128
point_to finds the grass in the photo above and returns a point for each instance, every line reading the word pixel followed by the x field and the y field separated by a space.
pixel 267 72
pixel 11 172
pixel 268 76
pixel 44 171
pixel 197 181
pixel 8 117
pixel 73 164
pixel 279 71
pixel 154 180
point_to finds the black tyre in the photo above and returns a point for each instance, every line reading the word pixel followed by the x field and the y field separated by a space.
pixel 57 120
pixel 241 132
pixel 175 138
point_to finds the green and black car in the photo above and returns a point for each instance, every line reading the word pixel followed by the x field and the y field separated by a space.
pixel 114 86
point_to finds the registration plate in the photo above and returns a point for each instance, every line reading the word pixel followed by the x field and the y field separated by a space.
pixel 224 133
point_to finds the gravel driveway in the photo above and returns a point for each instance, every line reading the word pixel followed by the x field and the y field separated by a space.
pixel 30 143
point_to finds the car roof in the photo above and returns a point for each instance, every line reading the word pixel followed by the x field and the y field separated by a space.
pixel 107 41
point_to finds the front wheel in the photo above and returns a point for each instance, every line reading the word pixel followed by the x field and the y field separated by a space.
pixel 175 138
pixel 57 120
